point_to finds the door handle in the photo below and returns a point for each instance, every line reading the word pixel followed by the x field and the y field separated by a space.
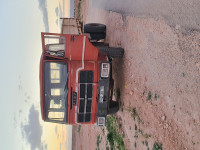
pixel 73 38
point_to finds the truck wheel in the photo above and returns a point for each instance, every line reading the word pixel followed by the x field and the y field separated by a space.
pixel 113 108
pixel 97 36
pixel 112 51
pixel 94 28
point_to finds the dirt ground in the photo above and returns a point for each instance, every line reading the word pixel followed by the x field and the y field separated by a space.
pixel 159 76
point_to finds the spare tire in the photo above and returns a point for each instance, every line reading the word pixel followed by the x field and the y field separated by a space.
pixel 113 52
pixel 94 28
pixel 97 36
pixel 100 44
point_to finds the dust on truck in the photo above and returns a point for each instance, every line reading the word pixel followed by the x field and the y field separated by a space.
pixel 76 84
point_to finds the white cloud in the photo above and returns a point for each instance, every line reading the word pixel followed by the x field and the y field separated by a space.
pixel 43 8
pixel 32 130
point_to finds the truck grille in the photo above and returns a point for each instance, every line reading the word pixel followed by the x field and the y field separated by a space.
pixel 85 96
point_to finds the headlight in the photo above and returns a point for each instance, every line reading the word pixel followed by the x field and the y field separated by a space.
pixel 101 94
pixel 101 121
pixel 105 70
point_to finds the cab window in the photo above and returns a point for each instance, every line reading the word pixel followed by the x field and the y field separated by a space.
pixel 55 45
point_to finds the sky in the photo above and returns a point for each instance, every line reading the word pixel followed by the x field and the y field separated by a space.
pixel 21 126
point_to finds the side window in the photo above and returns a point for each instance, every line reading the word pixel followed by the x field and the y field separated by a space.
pixel 55 73
pixel 55 45
pixel 56 102
pixel 53 104
pixel 55 92
pixel 57 116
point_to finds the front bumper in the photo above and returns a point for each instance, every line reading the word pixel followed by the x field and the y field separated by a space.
pixel 104 96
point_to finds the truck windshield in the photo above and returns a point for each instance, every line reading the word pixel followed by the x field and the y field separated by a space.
pixel 56 91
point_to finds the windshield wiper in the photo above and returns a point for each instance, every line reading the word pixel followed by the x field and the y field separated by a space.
pixel 66 83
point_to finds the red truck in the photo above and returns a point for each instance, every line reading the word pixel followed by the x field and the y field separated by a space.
pixel 76 84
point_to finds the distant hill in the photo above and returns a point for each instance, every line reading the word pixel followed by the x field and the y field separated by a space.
pixel 72 3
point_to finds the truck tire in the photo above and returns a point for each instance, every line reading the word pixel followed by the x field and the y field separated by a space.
pixel 94 28
pixel 100 44
pixel 113 52
pixel 97 36
pixel 113 108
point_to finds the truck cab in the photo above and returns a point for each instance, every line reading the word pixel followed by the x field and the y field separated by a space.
pixel 76 82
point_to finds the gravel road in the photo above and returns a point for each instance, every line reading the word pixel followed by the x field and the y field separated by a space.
pixel 159 75
pixel 183 14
